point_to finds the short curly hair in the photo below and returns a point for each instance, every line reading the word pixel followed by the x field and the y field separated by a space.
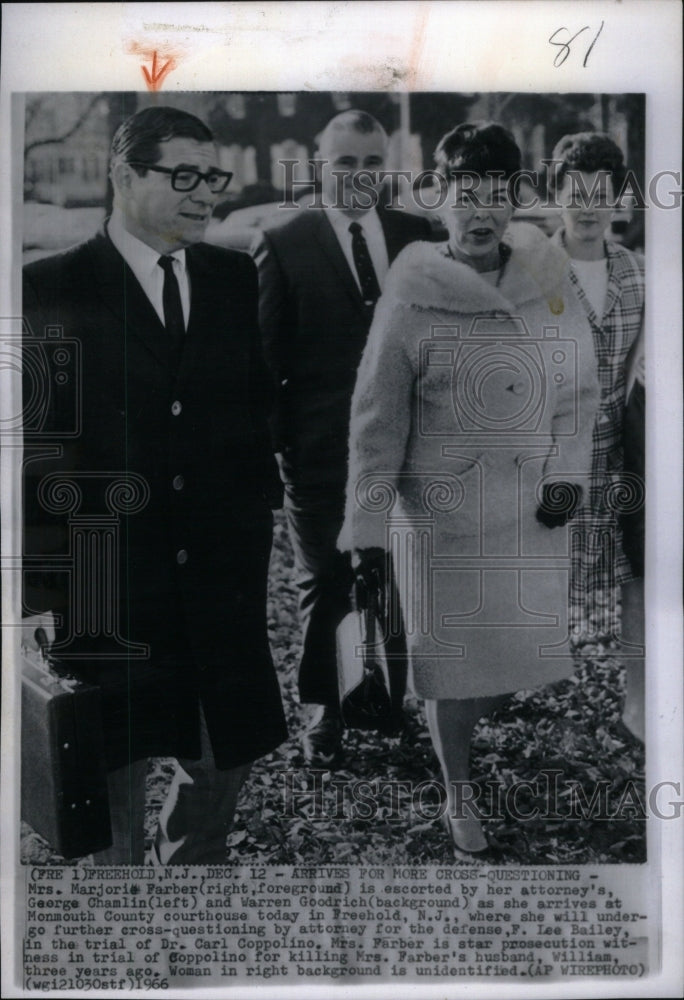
pixel 478 148
pixel 588 152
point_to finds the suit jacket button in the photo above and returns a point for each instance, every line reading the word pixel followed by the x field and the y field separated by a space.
pixel 176 407
pixel 178 482
pixel 181 557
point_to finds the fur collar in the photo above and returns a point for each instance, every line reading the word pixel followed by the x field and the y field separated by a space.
pixel 424 276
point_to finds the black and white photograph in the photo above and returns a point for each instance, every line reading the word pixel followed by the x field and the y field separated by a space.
pixel 425 439
pixel 341 555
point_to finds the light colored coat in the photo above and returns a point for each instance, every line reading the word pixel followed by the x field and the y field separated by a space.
pixel 469 397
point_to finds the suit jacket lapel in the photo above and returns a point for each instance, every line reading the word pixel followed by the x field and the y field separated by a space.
pixel 121 292
pixel 614 289
pixel 393 237
pixel 324 234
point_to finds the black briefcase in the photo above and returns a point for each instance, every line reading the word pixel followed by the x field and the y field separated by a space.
pixel 63 776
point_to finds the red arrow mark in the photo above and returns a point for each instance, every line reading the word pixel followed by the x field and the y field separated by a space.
pixel 154 79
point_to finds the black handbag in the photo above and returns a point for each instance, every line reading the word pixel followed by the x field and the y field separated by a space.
pixel 368 699
pixel 64 793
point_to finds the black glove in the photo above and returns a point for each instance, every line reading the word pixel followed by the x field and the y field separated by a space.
pixel 370 577
pixel 559 502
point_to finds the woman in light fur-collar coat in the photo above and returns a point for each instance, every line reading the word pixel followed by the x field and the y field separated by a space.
pixel 470 442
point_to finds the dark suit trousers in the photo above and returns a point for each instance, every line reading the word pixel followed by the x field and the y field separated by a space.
pixel 194 820
pixel 324 580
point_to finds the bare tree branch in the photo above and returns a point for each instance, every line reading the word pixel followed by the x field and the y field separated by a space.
pixel 67 135
pixel 32 110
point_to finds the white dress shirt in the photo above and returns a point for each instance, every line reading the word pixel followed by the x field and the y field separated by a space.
pixel 374 236
pixel 144 263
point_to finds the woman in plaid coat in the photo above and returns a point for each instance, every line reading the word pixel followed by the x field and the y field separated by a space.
pixel 608 281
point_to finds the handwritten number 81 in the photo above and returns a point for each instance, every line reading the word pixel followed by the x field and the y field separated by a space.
pixel 564 47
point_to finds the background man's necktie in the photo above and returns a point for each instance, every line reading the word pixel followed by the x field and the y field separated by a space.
pixel 173 307
pixel 370 289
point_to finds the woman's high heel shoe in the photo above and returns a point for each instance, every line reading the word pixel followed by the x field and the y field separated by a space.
pixel 466 835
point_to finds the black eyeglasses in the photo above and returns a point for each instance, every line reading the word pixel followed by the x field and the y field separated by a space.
pixel 187 178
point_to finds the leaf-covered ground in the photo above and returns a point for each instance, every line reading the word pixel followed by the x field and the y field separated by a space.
pixel 382 805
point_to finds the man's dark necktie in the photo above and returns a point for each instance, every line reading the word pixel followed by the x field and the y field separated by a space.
pixel 173 307
pixel 370 289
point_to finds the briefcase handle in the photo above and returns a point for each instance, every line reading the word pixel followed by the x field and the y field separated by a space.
pixel 43 642
pixel 47 662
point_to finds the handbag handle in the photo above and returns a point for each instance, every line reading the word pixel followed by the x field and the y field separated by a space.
pixel 370 618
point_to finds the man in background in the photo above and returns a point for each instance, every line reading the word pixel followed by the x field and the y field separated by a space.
pixel 174 443
pixel 320 276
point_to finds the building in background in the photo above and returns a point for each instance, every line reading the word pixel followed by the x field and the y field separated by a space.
pixel 68 135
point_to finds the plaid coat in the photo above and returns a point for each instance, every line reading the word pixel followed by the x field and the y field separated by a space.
pixel 598 557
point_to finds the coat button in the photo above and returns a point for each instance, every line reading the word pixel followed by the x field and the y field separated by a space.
pixel 178 482
pixel 181 557
pixel 176 407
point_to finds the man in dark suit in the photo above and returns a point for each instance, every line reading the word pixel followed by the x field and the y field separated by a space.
pixel 171 465
pixel 320 275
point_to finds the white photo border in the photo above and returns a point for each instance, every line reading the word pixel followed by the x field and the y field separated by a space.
pixel 457 45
